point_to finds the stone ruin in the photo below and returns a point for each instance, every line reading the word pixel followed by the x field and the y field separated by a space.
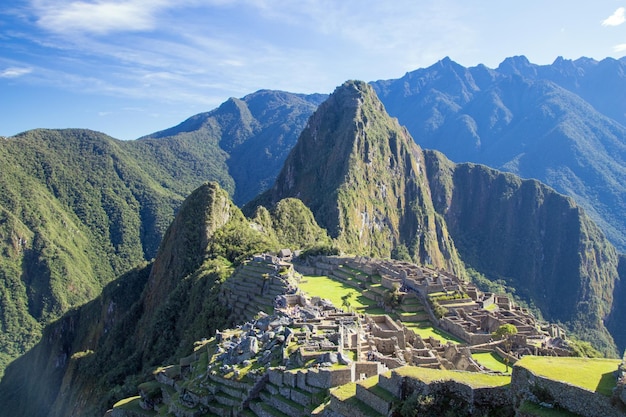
pixel 307 345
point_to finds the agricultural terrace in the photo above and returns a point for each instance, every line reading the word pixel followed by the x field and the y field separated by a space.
pixel 592 374
pixel 473 379
pixel 333 290
pixel 491 361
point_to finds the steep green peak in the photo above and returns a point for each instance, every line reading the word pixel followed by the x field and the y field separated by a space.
pixel 206 210
pixel 326 149
pixel 362 176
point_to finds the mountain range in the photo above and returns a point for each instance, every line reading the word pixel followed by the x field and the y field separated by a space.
pixel 378 194
pixel 563 124
pixel 82 215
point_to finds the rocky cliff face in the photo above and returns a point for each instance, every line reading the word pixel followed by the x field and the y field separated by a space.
pixel 538 241
pixel 362 176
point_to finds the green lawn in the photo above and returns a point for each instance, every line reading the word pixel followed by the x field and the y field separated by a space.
pixel 131 405
pixel 344 392
pixel 592 374
pixel 426 330
pixel 492 361
pixel 325 287
pixel 473 379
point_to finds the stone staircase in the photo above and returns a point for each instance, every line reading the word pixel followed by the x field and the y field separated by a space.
pixel 372 397
pixel 253 288
pixel 412 309
pixel 287 393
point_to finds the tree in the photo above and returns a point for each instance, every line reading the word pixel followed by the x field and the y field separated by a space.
pixel 505 331
pixel 345 300
pixel 393 298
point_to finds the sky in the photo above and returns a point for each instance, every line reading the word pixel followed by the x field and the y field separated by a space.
pixel 130 68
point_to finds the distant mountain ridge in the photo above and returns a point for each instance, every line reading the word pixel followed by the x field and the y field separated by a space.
pixel 562 124
pixel 253 135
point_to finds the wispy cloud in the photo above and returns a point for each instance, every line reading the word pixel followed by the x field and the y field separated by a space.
pixel 15 72
pixel 617 18
pixel 620 48
pixel 197 50
pixel 98 17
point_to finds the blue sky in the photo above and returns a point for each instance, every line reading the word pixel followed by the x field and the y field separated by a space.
pixel 130 68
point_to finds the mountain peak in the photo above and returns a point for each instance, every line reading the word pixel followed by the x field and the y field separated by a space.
pixel 361 174
pixel 517 65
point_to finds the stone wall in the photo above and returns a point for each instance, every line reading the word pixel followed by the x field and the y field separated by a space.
pixel 372 400
pixel 367 369
pixel 526 385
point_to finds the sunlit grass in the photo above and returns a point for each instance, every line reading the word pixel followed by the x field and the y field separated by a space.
pixel 345 391
pixel 592 374
pixel 333 290
pixel 532 409
pixel 491 361
pixel 473 379
pixel 426 330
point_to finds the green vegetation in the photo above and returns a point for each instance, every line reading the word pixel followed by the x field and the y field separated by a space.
pixel 583 349
pixel 333 290
pixel 426 330
pixel 491 361
pixel 592 374
pixel 505 331
pixel 473 379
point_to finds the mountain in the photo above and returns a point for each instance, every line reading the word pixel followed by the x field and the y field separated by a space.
pixel 535 240
pixel 95 354
pixel 79 208
pixel 362 176
pixel 76 212
pixel 247 138
pixel 375 191
pixel 563 124
pixel 362 166
pixel 600 83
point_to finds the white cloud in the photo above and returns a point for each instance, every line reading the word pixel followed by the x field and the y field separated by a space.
pixel 617 18
pixel 620 48
pixel 15 72
pixel 99 17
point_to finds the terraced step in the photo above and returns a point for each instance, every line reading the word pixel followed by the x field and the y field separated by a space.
pixel 412 307
pixel 283 404
pixel 261 409
pixel 219 409
pixel 233 392
pixel 377 397
pixel 227 399
pixel 344 401
pixel 414 318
